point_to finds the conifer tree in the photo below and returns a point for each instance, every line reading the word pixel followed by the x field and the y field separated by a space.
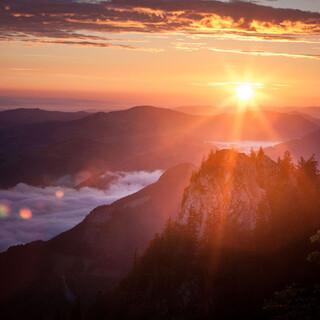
pixel 308 168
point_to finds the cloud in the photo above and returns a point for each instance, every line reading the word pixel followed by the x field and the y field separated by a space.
pixel 72 21
pixel 261 53
pixel 244 146
pixel 233 84
pixel 56 209
pixel 190 47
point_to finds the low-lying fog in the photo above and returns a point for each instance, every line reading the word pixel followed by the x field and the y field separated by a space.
pixel 30 213
pixel 244 146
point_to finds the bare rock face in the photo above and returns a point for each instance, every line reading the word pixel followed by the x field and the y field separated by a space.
pixel 226 188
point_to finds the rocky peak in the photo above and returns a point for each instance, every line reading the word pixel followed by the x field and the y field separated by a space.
pixel 226 188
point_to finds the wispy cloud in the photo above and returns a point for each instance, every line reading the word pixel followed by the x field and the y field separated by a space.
pixel 232 84
pixel 267 53
pixel 195 46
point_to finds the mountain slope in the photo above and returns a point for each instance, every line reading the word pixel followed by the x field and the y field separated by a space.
pixel 142 138
pixel 96 253
pixel 242 233
pixel 261 125
pixel 18 117
pixel 199 110
pixel 303 147
pixel 139 138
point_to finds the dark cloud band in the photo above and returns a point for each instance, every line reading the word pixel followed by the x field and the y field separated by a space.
pixel 72 21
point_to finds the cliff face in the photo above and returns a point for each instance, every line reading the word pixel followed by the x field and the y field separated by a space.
pixel 226 188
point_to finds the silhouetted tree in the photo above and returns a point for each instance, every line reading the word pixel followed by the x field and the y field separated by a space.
pixel 308 168
pixel 286 165
pixel 298 302
pixel 188 273
pixel 260 155
pixel 253 154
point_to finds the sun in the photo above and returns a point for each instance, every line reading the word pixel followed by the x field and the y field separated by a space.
pixel 245 92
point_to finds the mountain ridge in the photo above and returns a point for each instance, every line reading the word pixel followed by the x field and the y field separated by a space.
pixel 96 253
pixel 302 147
pixel 140 138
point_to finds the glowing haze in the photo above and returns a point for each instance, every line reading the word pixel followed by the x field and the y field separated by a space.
pixel 166 53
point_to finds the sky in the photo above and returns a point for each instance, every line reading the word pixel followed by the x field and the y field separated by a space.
pixel 307 5
pixel 122 53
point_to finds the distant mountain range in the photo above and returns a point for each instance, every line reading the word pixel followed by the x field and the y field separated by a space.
pixel 38 147
pixel 142 138
pixel 308 112
pixel 260 125
pixel 303 147
pixel 18 117
pixel 199 110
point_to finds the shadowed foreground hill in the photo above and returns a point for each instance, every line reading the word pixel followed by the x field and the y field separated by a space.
pixel 243 232
pixel 236 231
pixel 43 277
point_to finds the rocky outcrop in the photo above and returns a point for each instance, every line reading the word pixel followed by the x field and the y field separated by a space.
pixel 226 188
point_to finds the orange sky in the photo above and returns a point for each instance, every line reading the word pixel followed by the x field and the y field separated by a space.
pixel 198 62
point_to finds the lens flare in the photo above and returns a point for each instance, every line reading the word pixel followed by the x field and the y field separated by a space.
pixel 59 194
pixel 25 213
pixel 4 210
